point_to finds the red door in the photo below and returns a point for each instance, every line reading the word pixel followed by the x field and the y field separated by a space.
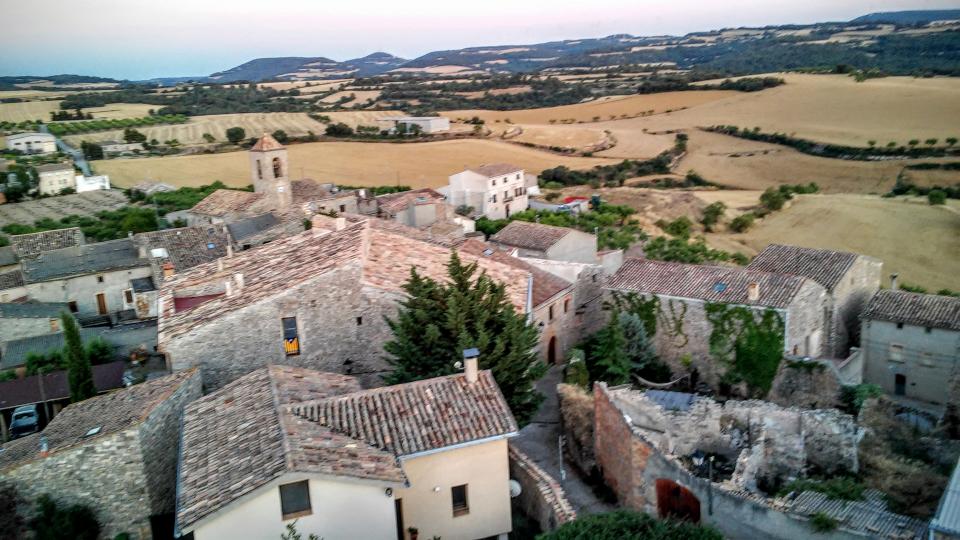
pixel 677 502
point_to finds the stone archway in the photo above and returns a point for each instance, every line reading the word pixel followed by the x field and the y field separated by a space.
pixel 677 502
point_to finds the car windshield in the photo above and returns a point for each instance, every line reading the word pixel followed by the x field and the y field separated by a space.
pixel 27 414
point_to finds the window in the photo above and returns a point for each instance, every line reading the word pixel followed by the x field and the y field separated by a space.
pixel 493 182
pixel 128 296
pixel 506 193
pixel 494 198
pixel 99 279
pixel 927 329
pixel 72 305
pixel 259 171
pixel 295 500
pixel 343 208
pixel 359 321
pixel 566 305
pixel 550 313
pixel 291 342
pixel 899 326
pixel 460 506
pixel 518 176
pixel 896 353
pixel 277 168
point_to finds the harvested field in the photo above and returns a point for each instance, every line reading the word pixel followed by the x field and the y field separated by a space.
pixel 511 91
pixel 122 110
pixel 361 97
pixel 82 204
pixel 602 108
pixel 918 241
pixel 28 110
pixel 562 136
pixel 365 164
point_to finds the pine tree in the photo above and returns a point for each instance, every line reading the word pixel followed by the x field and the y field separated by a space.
pixel 439 320
pixel 611 360
pixel 639 349
pixel 79 373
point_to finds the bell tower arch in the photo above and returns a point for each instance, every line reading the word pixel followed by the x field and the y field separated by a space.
pixel 270 171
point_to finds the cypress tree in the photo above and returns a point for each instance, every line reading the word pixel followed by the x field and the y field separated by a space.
pixel 439 320
pixel 638 347
pixel 79 373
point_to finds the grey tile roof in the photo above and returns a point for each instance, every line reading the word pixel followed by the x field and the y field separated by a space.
pixel 824 266
pixel 142 285
pixel 15 351
pixel 931 310
pixel 186 247
pixel 56 385
pixel 523 234
pixel 248 227
pixel 234 439
pixel 225 201
pixel 495 169
pixel 407 419
pixel 32 310
pixel 112 413
pixel 85 259
pixel 7 256
pixel 947 518
pixel 708 283
pixel 868 517
pixel 28 245
pixel 53 167
pixel 9 280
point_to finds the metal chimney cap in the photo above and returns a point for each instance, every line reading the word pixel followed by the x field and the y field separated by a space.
pixel 471 353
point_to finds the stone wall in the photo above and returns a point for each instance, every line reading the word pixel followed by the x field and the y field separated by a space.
pixel 808 385
pixel 541 497
pixel 18 328
pixel 576 424
pixel 340 329
pixel 159 442
pixel 84 289
pixel 849 297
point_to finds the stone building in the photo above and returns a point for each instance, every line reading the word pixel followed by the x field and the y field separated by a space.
pixel 850 280
pixel 116 453
pixel 28 319
pixel 700 312
pixel 345 462
pixel 55 177
pixel 316 299
pixel 32 143
pixel 911 345
pixel 494 190
pixel 414 208
pixel 547 242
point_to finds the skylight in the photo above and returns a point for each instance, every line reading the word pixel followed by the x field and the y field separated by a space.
pixel 92 431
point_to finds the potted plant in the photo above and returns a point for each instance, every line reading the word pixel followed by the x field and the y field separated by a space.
pixel 414 532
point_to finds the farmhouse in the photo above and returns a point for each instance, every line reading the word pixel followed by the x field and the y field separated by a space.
pixel 91 183
pixel 414 124
pixel 850 280
pixel 911 345
pixel 547 242
pixel 55 178
pixel 317 299
pixel 496 190
pixel 702 314
pixel 345 462
pixel 32 143
pixel 116 453
pixel 414 208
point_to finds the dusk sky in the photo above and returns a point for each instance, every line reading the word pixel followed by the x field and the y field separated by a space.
pixel 136 39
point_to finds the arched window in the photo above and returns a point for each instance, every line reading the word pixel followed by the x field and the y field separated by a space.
pixel 277 168
pixel 259 170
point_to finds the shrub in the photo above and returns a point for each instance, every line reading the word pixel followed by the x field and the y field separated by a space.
pixel 339 130
pixel 621 524
pixel 236 134
pixel 840 488
pixel 679 228
pixel 712 215
pixel 853 396
pixel 552 196
pixel 936 196
pixel 55 522
pixel 773 199
pixel 743 222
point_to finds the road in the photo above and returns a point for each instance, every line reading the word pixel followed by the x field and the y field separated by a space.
pixel 78 159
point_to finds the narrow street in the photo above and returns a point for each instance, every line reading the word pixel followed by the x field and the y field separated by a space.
pixel 540 441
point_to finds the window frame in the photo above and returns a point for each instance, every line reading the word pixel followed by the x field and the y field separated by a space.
pixel 895 353
pixel 289 350
pixel 463 509
pixel 295 513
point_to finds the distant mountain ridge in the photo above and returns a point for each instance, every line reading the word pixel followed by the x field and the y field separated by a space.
pixel 312 67
pixel 909 17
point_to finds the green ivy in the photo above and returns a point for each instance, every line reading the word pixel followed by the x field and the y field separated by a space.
pixel 645 308
pixel 751 346
pixel 674 322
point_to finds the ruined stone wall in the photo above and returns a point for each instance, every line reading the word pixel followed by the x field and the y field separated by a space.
pixel 159 442
pixel 621 456
pixel 106 474
pixel 541 498
pixel 810 385
pixel 340 328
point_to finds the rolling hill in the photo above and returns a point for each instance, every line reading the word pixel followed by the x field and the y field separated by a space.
pixel 909 17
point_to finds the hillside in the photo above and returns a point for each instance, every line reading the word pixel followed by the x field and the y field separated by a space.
pixel 299 68
pixel 909 17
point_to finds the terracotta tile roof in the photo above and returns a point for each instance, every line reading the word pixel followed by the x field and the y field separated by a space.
pixel 9 280
pixel 385 259
pixel 495 169
pixel 266 142
pixel 545 285
pixel 226 201
pixel 824 266
pixel 112 413
pixel 237 439
pixel 306 190
pixel 708 283
pixel 407 419
pixel 186 247
pixel 28 245
pixel 523 234
pixel 931 310
pixel 398 202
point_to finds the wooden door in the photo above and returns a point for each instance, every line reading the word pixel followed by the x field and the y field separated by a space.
pixel 900 384
pixel 101 303
pixel 677 502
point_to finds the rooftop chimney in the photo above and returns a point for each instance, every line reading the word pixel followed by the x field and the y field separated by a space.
pixel 239 279
pixel 470 357
pixel 893 282
pixel 142 252
pixel 753 291
pixel 228 286
pixel 229 251
pixel 168 270
pixel 219 265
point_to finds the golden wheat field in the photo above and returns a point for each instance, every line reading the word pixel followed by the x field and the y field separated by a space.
pixel 912 238
pixel 28 110
pixel 363 164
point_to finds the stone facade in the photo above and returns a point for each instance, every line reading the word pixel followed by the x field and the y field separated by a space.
pixel 83 289
pixel 17 328
pixel 848 298
pixel 340 328
pixel 126 476
pixel 588 281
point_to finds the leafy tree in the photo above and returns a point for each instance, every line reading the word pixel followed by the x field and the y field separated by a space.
pixel 133 136
pixel 679 228
pixel 712 214
pixel 281 136
pixel 236 134
pixel 8 375
pixel 80 374
pixel 742 223
pixel 628 524
pixel 209 138
pixel 951 141
pixel 638 347
pixel 91 150
pixel 4 241
pixel 55 522
pixel 937 196
pixel 99 351
pixel 339 130
pixel 931 141
pixel 438 321
pixel 611 362
pixel 913 142
pixel 773 199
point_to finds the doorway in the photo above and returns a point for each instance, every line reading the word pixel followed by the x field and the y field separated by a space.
pixel 900 384
pixel 398 508
pixel 101 303
pixel 508 210
pixel 677 502
pixel 552 351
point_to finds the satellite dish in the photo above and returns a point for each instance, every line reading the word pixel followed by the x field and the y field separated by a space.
pixel 515 488
pixel 458 365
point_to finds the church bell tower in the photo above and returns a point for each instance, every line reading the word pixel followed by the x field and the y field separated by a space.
pixel 270 172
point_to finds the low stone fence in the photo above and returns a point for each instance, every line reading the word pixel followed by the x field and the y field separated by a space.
pixel 541 497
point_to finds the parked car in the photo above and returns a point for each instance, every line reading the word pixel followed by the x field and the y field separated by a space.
pixel 25 421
